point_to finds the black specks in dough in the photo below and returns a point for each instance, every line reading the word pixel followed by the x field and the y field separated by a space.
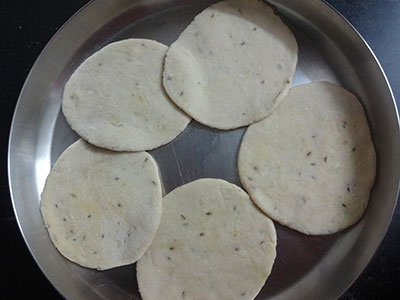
pixel 278 95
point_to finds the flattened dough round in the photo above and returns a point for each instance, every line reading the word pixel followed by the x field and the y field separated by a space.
pixel 102 208
pixel 115 99
pixel 311 164
pixel 213 243
pixel 232 65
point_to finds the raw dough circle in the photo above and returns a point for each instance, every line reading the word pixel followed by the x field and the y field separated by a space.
pixel 311 164
pixel 232 65
pixel 102 208
pixel 213 243
pixel 115 98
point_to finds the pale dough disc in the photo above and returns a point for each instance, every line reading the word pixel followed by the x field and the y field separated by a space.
pixel 115 99
pixel 102 208
pixel 311 164
pixel 232 65
pixel 213 243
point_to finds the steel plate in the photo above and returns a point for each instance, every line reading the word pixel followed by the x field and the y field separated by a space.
pixel 317 267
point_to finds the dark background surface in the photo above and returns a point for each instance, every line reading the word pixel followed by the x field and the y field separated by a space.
pixel 25 28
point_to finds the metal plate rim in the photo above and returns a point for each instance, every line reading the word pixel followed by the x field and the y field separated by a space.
pixel 10 138
pixel 395 107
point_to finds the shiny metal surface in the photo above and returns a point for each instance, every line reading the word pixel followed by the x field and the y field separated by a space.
pixel 318 267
